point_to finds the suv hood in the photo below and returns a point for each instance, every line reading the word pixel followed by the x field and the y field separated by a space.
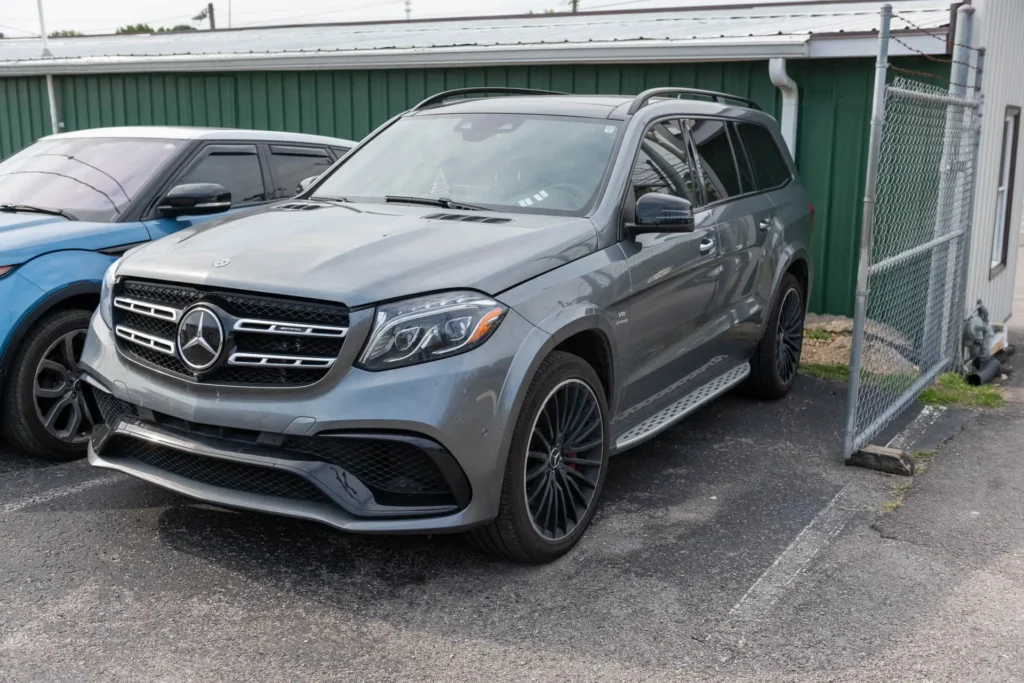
pixel 360 254
pixel 24 236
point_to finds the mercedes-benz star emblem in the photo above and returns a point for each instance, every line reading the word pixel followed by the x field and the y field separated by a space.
pixel 220 263
pixel 200 338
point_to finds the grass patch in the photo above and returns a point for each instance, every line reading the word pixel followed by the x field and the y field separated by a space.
pixel 836 372
pixel 952 390
pixel 890 505
pixel 819 334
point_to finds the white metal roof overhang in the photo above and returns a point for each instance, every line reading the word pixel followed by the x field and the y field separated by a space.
pixel 811 30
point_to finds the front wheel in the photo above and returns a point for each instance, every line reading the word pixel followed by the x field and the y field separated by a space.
pixel 45 413
pixel 777 358
pixel 556 468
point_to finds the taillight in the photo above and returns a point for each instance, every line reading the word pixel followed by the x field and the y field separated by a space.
pixel 810 207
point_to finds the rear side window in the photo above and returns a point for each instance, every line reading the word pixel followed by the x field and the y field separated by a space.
pixel 663 164
pixel 770 169
pixel 718 166
pixel 236 167
pixel 291 165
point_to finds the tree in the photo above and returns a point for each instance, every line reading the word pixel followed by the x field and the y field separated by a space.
pixel 66 33
pixel 136 28
pixel 180 28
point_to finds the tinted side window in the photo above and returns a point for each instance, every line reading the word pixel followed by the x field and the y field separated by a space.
pixel 746 170
pixel 663 165
pixel 770 168
pixel 291 165
pixel 236 168
pixel 718 168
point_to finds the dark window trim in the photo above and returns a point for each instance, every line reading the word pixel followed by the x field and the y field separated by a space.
pixel 788 182
pixel 307 151
pixel 1007 227
pixel 299 151
pixel 189 160
pixel 628 185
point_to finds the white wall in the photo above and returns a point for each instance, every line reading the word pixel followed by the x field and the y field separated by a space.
pixel 999 28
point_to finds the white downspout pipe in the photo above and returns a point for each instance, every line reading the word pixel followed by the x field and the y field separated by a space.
pixel 790 100
pixel 51 95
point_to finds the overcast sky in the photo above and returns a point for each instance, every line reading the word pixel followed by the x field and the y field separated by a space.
pixel 19 17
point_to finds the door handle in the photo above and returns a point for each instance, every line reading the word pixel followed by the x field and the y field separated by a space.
pixel 765 223
pixel 706 246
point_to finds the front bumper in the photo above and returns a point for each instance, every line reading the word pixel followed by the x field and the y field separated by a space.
pixel 463 404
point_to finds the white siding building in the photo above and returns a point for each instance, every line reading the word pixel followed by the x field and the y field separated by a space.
pixel 999 193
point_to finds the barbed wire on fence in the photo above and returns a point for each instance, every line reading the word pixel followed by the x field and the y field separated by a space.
pixel 934 35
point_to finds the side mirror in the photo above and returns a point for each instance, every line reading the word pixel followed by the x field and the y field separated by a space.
pixel 195 199
pixel 306 182
pixel 657 212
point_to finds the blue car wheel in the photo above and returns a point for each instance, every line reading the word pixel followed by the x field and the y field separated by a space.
pixel 45 413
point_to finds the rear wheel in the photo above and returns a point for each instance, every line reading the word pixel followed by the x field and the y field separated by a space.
pixel 777 358
pixel 45 413
pixel 555 470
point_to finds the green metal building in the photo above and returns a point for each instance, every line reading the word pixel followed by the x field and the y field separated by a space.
pixel 808 64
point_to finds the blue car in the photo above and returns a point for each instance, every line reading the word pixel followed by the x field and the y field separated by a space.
pixel 70 205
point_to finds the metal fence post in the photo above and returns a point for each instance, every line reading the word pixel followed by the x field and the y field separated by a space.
pixel 936 347
pixel 867 224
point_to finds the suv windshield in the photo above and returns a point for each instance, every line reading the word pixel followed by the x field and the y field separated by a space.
pixel 506 162
pixel 93 179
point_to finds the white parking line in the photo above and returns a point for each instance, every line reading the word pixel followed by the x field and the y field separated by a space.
pixel 53 494
pixel 770 586
pixel 913 432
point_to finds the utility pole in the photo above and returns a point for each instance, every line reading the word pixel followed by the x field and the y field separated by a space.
pixel 209 10
pixel 408 9
pixel 51 94
pixel 575 5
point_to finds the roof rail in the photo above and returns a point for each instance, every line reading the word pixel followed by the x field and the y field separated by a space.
pixel 442 96
pixel 641 99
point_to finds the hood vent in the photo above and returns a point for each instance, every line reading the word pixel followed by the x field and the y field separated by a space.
pixel 466 218
pixel 299 206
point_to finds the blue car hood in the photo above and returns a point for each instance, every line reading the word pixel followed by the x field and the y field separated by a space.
pixel 24 236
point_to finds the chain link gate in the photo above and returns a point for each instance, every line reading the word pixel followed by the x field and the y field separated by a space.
pixel 915 241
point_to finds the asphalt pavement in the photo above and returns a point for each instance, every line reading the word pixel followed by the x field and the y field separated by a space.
pixel 736 546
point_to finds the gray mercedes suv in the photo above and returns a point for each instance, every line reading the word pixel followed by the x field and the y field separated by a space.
pixel 455 326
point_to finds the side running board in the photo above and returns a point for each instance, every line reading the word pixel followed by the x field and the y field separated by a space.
pixel 676 411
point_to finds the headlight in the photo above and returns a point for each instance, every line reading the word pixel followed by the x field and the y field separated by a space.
pixel 106 296
pixel 430 328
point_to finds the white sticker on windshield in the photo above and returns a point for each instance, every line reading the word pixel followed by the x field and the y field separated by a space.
pixel 609 129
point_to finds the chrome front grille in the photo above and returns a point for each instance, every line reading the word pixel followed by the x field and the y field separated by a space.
pixel 269 340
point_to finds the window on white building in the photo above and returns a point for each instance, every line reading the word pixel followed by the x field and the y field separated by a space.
pixel 1004 197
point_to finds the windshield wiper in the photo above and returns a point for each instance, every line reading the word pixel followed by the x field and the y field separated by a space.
pixel 25 208
pixel 433 201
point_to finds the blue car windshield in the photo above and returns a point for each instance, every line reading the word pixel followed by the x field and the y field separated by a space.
pixel 506 162
pixel 93 179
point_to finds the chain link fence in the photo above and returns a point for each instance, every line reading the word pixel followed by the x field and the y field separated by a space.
pixel 912 279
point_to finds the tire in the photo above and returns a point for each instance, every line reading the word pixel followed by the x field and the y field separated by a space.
pixel 562 379
pixel 22 416
pixel 769 377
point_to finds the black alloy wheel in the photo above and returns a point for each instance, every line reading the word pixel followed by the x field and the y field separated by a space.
pixel 563 460
pixel 790 335
pixel 43 411
pixel 59 400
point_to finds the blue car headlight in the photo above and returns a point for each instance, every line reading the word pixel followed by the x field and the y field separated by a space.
pixel 106 295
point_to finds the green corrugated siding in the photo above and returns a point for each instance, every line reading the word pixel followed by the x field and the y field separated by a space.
pixel 24 113
pixel 834 112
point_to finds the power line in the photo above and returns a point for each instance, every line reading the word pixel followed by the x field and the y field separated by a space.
pixel 19 30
